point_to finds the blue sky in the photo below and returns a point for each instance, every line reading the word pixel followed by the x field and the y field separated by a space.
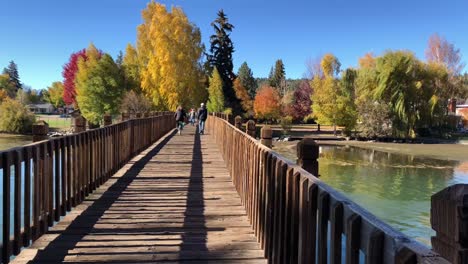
pixel 40 35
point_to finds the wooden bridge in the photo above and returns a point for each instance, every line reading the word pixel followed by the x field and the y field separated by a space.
pixel 136 192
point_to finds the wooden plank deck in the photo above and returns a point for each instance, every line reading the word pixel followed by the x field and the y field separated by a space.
pixel 174 203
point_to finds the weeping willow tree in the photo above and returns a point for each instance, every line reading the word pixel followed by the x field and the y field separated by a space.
pixel 412 89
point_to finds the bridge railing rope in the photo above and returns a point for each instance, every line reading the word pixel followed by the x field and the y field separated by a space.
pixel 44 180
pixel 299 219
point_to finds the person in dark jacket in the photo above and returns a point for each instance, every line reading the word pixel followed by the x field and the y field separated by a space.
pixel 202 116
pixel 180 118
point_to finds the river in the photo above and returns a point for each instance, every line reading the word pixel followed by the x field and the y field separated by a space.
pixel 8 141
pixel 395 187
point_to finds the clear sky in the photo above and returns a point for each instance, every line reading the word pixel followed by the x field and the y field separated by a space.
pixel 40 35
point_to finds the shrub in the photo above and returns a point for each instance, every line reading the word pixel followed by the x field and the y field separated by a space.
pixel 15 117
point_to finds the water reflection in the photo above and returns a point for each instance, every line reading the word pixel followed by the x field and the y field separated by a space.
pixel 396 188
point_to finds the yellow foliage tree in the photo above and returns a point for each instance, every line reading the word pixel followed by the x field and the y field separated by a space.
pixel 169 50
pixel 131 69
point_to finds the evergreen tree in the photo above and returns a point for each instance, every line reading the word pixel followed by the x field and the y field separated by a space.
pixel 279 73
pixel 12 71
pixel 277 78
pixel 221 57
pixel 247 80
pixel 215 90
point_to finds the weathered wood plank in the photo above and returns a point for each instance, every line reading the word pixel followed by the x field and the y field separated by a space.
pixel 175 202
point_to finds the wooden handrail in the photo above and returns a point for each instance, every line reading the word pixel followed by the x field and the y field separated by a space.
pixel 59 173
pixel 292 211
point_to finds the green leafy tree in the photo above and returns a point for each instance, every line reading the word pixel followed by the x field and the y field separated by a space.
pixel 245 75
pixel 215 91
pixel 221 50
pixel 101 92
pixel 15 117
pixel 400 85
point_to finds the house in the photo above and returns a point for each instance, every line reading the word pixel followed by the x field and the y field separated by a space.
pixel 462 111
pixel 41 108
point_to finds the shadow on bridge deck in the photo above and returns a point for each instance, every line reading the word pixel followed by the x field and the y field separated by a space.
pixel 173 203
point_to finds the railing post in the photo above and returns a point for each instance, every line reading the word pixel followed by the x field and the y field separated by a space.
pixel 238 122
pixel 266 135
pixel 80 124
pixel 307 155
pixel 125 116
pixel 107 120
pixel 449 218
pixel 250 128
pixel 40 130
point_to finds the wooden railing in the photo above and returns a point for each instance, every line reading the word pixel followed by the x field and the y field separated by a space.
pixel 299 219
pixel 46 179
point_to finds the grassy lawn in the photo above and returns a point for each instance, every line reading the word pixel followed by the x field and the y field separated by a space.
pixel 55 122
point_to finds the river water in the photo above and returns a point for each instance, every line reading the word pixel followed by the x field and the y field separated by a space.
pixel 10 141
pixel 396 188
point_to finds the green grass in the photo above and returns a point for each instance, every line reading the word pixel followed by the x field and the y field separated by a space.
pixel 55 122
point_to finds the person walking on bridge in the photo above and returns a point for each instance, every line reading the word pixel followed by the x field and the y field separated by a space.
pixel 202 116
pixel 180 118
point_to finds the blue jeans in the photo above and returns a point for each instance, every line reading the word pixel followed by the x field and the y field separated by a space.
pixel 201 126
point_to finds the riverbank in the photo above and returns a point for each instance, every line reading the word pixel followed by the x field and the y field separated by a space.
pixel 456 152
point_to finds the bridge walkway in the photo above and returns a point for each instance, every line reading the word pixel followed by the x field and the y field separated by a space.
pixel 173 203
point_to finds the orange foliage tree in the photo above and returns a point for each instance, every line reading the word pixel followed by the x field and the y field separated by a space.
pixel 243 96
pixel 267 103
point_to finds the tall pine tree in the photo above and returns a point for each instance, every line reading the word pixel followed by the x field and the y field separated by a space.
pixel 12 71
pixel 277 78
pixel 247 80
pixel 221 57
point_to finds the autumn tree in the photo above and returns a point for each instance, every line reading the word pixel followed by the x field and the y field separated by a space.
pixel 243 96
pixel 267 103
pixel 169 51
pixel 216 102
pixel 302 103
pixel 440 51
pixel 134 102
pixel 69 73
pixel 12 72
pixel 245 75
pixel 6 86
pixel 55 94
pixel 327 105
pixel 131 69
pixel 15 117
pixel 221 49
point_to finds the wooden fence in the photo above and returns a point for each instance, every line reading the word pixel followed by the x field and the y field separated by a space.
pixel 299 219
pixel 44 180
